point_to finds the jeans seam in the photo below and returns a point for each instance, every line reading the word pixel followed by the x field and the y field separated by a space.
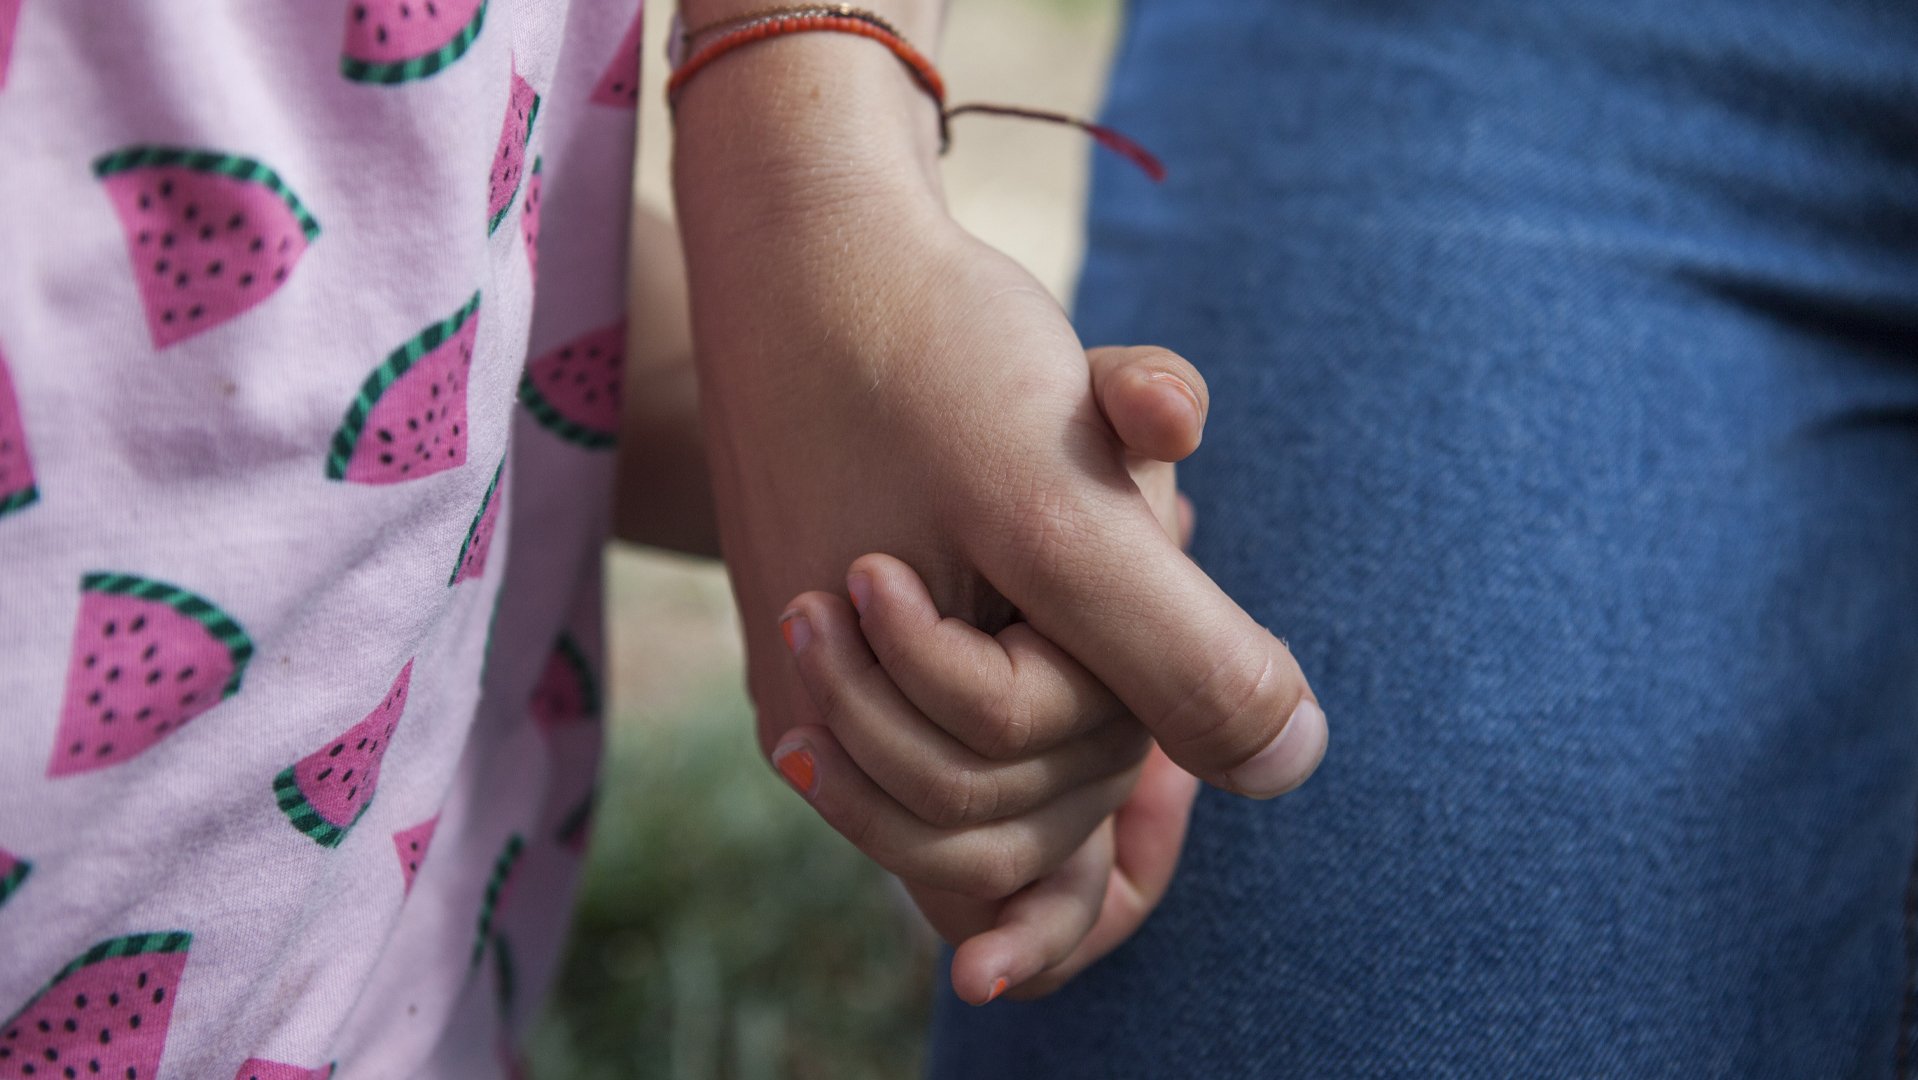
pixel 1908 1007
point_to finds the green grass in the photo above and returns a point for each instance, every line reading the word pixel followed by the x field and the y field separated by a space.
pixel 723 929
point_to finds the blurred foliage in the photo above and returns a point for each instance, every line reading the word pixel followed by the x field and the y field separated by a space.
pixel 723 929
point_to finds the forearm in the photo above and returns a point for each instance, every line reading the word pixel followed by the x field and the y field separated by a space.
pixel 813 130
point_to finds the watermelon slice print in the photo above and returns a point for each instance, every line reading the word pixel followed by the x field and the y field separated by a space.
pixel 395 41
pixel 17 487
pixel 498 887
pixel 411 844
pixel 262 1069
pixel 566 692
pixel 211 234
pixel 13 874
pixel 409 418
pixel 106 1014
pixel 509 161
pixel 575 829
pixel 325 793
pixel 147 658
pixel 529 221
pixel 619 86
pixel 574 390
pixel 479 535
pixel 9 19
pixel 505 975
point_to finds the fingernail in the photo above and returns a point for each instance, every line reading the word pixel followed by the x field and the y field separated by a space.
pixel 1288 759
pixel 860 586
pixel 998 987
pixel 1184 388
pixel 795 763
pixel 798 631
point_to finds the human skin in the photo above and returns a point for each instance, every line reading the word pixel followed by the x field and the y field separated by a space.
pixel 874 379
pixel 1031 942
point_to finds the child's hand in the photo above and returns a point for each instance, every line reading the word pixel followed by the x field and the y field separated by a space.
pixel 984 770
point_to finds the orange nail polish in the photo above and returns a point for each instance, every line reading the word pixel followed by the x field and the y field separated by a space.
pixel 795 763
pixel 797 630
pixel 859 587
pixel 998 987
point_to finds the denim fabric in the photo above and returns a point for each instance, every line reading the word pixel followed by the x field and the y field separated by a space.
pixel 1564 360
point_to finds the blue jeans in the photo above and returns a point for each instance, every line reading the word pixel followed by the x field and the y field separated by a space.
pixel 1564 360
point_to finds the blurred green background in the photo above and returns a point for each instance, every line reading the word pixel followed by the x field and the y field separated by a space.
pixel 723 930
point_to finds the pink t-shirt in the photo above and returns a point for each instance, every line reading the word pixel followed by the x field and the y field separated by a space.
pixel 304 480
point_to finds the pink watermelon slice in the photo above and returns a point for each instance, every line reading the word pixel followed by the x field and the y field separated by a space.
pixel 411 845
pixel 105 1015
pixel 509 161
pixel 574 390
pixel 529 221
pixel 211 234
pixel 325 793
pixel 13 874
pixel 619 86
pixel 9 16
pixel 147 658
pixel 479 535
pixel 498 888
pixel 17 487
pixel 262 1069
pixel 409 419
pixel 394 41
pixel 566 692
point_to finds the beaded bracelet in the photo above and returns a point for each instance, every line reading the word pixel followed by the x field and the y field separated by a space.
pixel 768 23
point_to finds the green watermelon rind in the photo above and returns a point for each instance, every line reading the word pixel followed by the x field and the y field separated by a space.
pixel 208 161
pixel 19 500
pixel 293 803
pixel 505 971
pixel 472 530
pixel 532 115
pixel 582 670
pixel 346 438
pixel 174 941
pixel 558 423
pixel 14 878
pixel 194 606
pixel 496 884
pixel 417 67
pixel 573 825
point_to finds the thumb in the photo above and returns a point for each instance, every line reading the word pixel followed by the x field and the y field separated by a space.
pixel 1154 399
pixel 1095 573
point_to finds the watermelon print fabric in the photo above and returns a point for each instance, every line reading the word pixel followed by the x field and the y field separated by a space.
pixel 300 640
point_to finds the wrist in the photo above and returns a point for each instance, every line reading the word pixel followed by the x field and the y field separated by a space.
pixel 808 123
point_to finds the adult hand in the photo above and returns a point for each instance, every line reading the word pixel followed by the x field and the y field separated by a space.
pixel 873 378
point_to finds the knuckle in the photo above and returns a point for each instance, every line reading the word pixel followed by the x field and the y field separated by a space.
pixel 1005 729
pixel 1004 868
pixel 1242 683
pixel 964 797
pixel 860 828
pixel 829 696
pixel 947 803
